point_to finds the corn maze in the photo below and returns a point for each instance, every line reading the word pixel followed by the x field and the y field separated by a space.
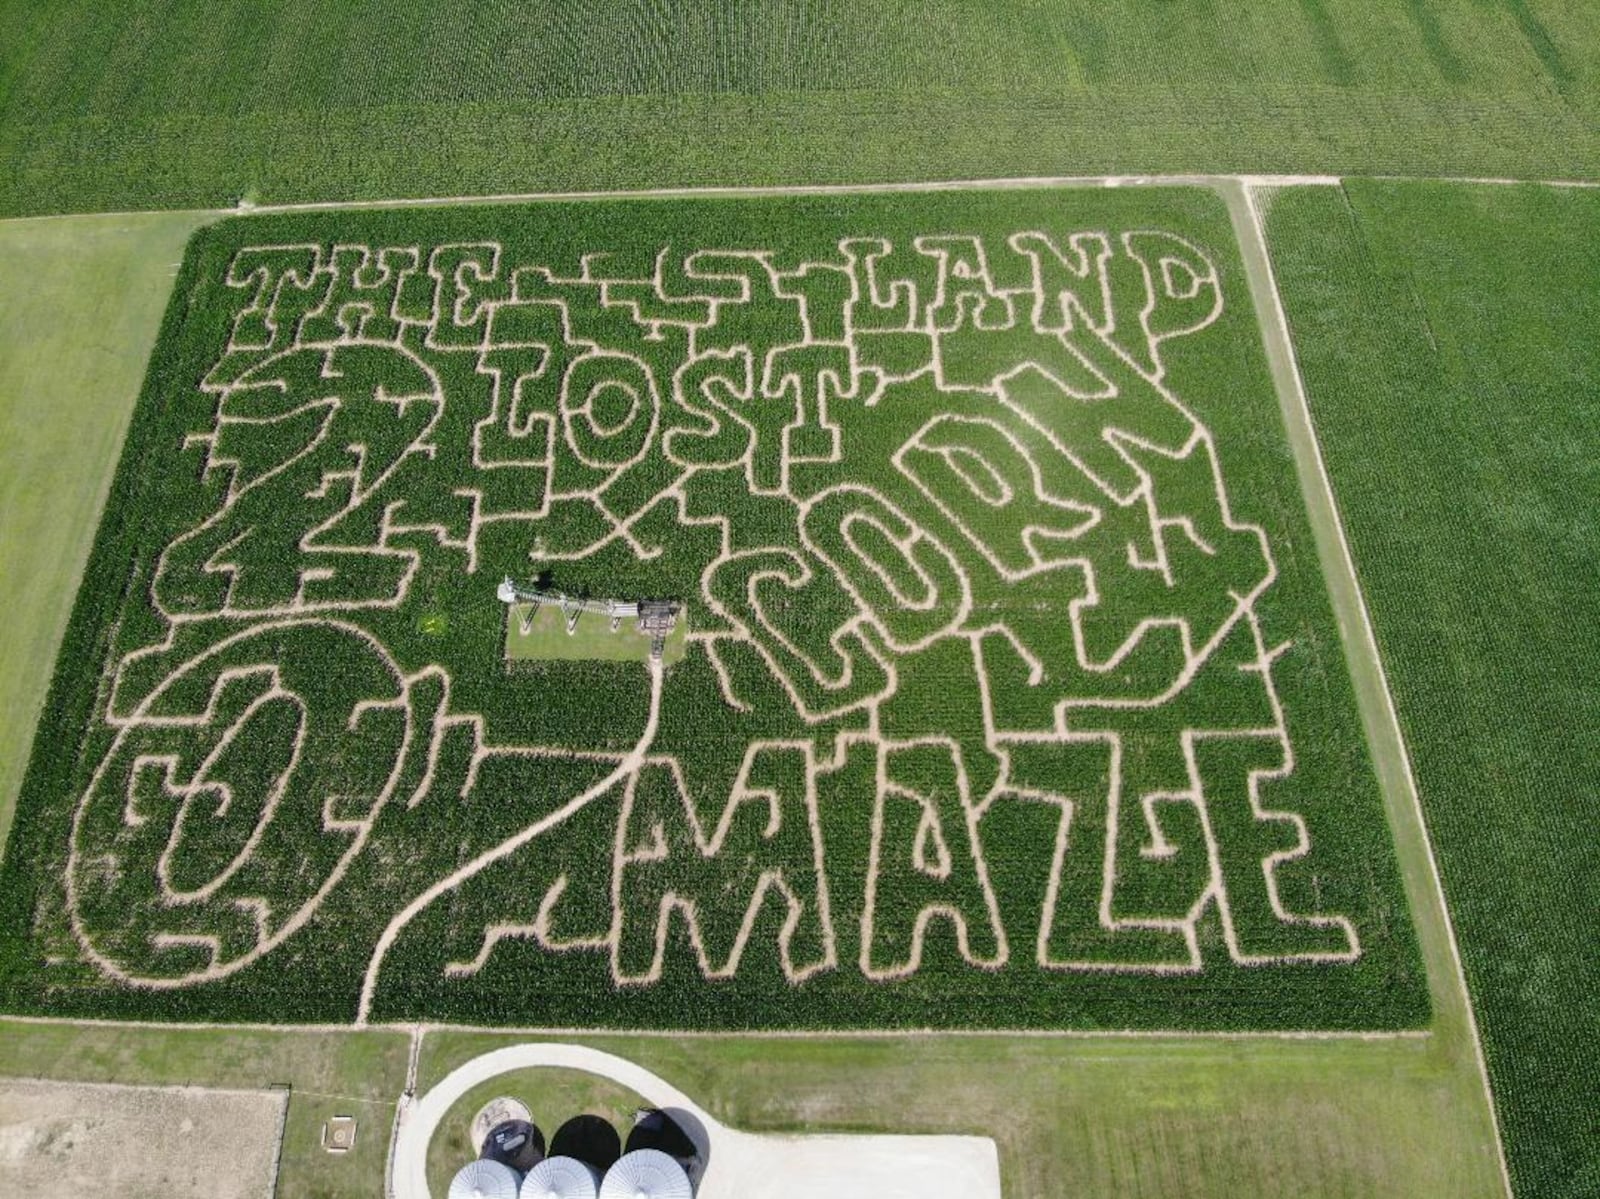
pixel 1009 695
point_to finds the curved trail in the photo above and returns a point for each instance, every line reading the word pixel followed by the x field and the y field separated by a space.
pixel 629 765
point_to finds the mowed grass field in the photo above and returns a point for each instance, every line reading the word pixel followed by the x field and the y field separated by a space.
pixel 1145 1118
pixel 1448 340
pixel 1140 1118
pixel 123 106
pixel 542 636
pixel 80 302
pixel 327 1074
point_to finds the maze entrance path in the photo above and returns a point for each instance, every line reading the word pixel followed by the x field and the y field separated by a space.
pixel 1011 696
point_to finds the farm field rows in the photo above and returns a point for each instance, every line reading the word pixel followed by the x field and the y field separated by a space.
pixel 1028 705
pixel 200 104
pixel 1142 1116
pixel 1446 337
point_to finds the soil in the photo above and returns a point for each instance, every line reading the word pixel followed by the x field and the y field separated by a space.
pixel 61 1140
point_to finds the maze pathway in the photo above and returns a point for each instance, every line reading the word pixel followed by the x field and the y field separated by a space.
pixel 1010 686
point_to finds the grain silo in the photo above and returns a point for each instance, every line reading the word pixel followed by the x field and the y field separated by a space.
pixel 646 1174
pixel 561 1178
pixel 515 1143
pixel 484 1179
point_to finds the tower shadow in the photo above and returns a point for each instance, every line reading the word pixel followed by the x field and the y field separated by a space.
pixel 589 1138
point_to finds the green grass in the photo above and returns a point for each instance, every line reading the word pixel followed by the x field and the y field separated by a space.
pixel 80 302
pixel 115 107
pixel 327 1073
pixel 252 538
pixel 552 1096
pixel 1146 1117
pixel 1446 335
pixel 1142 1118
pixel 591 640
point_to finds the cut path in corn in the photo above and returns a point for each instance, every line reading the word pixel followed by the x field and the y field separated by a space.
pixel 1239 1115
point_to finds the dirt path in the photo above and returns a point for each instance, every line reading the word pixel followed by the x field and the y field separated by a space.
pixel 629 765
pixel 1249 182
pixel 60 1140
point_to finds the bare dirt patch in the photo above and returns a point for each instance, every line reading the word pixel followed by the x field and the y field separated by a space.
pixel 61 1140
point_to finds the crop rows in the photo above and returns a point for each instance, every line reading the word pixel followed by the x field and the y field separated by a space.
pixel 1446 340
pixel 105 107
pixel 1011 699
